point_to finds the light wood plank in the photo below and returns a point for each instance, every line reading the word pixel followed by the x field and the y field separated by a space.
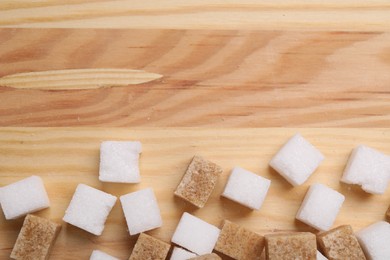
pixel 211 78
pixel 347 15
pixel 64 157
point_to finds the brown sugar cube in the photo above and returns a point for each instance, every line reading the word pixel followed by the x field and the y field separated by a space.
pixel 35 239
pixel 199 181
pixel 296 245
pixel 211 256
pixel 388 215
pixel 238 242
pixel 148 247
pixel 340 243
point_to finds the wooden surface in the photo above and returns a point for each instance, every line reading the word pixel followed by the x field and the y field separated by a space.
pixel 64 157
pixel 270 15
pixel 218 78
pixel 253 64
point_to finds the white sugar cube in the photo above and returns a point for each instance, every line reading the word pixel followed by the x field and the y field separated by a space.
pixel 375 240
pixel 89 209
pixel 368 168
pixel 321 256
pixel 246 188
pixel 296 160
pixel 141 211
pixel 181 254
pixel 195 234
pixel 22 197
pixel 119 161
pixel 320 207
pixel 99 255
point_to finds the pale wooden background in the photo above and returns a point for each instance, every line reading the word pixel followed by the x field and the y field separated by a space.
pixel 346 15
pixel 219 78
pixel 65 157
pixel 226 64
pixel 267 70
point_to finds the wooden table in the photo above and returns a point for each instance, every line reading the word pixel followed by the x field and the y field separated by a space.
pixel 65 157
pixel 344 15
pixel 232 69
pixel 253 64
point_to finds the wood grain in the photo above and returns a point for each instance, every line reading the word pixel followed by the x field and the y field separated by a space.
pixel 211 78
pixel 270 15
pixel 77 79
pixel 64 157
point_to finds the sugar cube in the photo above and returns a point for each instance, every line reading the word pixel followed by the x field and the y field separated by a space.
pixel 297 245
pixel 340 243
pixel 369 168
pixel 296 160
pixel 199 181
pixel 141 211
pixel 321 256
pixel 211 256
pixel 238 242
pixel 22 197
pixel 36 238
pixel 374 240
pixel 100 255
pixel 181 254
pixel 89 209
pixel 148 247
pixel 246 188
pixel 388 214
pixel 320 207
pixel 195 234
pixel 119 161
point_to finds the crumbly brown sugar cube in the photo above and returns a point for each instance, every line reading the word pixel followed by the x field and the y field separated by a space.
pixel 238 242
pixel 199 181
pixel 286 246
pixel 340 243
pixel 148 247
pixel 36 238
pixel 211 256
pixel 388 215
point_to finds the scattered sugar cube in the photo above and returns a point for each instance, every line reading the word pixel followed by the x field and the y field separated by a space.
pixel 141 211
pixel 199 181
pixel 119 161
pixel 296 160
pixel 320 207
pixel 22 197
pixel 388 215
pixel 100 255
pixel 211 256
pixel 89 209
pixel 195 234
pixel 246 188
pixel 368 168
pixel 321 256
pixel 238 242
pixel 340 243
pixel 374 240
pixel 35 239
pixel 148 247
pixel 296 245
pixel 181 254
